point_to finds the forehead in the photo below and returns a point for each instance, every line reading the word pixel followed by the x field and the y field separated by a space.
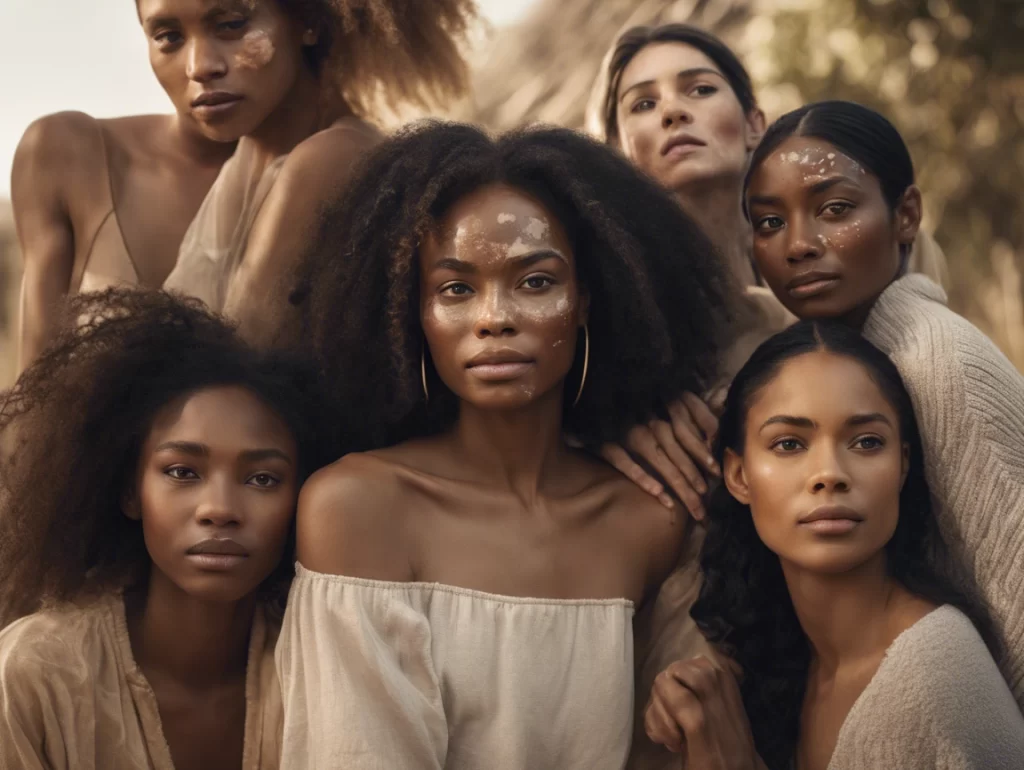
pixel 149 9
pixel 221 416
pixel 663 60
pixel 803 161
pixel 502 214
pixel 824 387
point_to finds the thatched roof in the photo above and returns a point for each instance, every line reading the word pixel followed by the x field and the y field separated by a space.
pixel 544 68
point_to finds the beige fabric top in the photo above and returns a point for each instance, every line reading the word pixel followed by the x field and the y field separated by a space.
pixel 418 676
pixel 73 698
pixel 215 242
pixel 937 702
pixel 969 401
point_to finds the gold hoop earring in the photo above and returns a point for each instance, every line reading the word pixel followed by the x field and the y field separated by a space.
pixel 423 372
pixel 586 363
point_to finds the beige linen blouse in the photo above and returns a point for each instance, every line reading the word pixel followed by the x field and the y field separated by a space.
pixel 73 698
pixel 418 676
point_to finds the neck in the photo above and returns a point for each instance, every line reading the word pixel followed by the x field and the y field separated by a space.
pixel 299 115
pixel 196 147
pixel 519 450
pixel 716 206
pixel 847 617
pixel 199 643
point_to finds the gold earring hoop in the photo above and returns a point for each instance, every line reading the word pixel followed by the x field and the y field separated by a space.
pixel 586 363
pixel 423 373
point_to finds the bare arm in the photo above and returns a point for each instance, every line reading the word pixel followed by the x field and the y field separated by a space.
pixel 45 233
pixel 257 297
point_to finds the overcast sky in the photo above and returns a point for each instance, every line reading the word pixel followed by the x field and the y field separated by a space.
pixel 90 55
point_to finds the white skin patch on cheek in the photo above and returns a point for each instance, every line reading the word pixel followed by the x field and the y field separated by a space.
pixel 257 50
pixel 793 157
pixel 504 219
pixel 537 228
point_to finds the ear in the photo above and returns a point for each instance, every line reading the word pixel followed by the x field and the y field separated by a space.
pixel 905 464
pixel 735 477
pixel 130 506
pixel 756 126
pixel 908 216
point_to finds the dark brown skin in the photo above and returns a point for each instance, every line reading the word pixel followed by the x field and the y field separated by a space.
pixel 499 503
pixel 820 434
pixel 218 464
pixel 816 210
pixel 60 195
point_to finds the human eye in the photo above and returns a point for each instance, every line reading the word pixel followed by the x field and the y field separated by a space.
pixel 769 223
pixel 786 445
pixel 645 104
pixel 167 38
pixel 705 89
pixel 264 480
pixel 837 208
pixel 180 473
pixel 456 289
pixel 232 25
pixel 538 282
pixel 869 443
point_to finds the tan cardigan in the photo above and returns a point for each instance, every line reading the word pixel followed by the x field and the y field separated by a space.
pixel 936 702
pixel 73 698
pixel 969 401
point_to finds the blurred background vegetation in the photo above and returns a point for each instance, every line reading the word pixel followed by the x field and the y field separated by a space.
pixel 949 73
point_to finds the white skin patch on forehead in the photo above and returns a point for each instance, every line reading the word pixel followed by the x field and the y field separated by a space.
pixel 816 162
pixel 537 228
pixel 504 219
pixel 257 50
pixel 518 248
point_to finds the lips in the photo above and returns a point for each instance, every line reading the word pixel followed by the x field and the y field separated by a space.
pixel 499 365
pixel 812 283
pixel 215 99
pixel 680 140
pixel 831 520
pixel 217 547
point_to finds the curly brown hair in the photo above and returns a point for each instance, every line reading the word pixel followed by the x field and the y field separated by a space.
pixel 72 428
pixel 659 294
pixel 386 54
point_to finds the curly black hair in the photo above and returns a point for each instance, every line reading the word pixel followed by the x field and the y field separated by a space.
pixel 659 295
pixel 73 425
pixel 744 606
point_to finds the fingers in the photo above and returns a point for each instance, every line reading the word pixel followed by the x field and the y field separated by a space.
pixel 683 476
pixel 661 727
pixel 643 441
pixel 691 437
pixel 703 415
pixel 619 459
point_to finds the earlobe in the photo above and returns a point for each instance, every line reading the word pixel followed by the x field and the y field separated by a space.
pixel 908 215
pixel 130 506
pixel 756 126
pixel 905 465
pixel 735 477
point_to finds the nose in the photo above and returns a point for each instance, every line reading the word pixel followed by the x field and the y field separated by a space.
pixel 828 475
pixel 496 314
pixel 805 241
pixel 204 61
pixel 674 113
pixel 217 506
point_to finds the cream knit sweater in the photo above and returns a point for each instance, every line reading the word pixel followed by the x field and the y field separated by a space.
pixel 969 401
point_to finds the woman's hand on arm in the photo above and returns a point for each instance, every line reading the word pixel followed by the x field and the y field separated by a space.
pixel 696 710
pixel 679 450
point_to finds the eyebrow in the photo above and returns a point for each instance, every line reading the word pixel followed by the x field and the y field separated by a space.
pixel 815 189
pixel 196 449
pixel 155 22
pixel 521 261
pixel 806 422
pixel 693 71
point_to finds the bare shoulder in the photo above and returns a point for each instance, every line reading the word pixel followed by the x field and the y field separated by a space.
pixel 351 520
pixel 62 142
pixel 326 159
pixel 654 532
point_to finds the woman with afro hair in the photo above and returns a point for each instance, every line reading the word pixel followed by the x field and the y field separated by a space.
pixel 466 585
pixel 152 466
